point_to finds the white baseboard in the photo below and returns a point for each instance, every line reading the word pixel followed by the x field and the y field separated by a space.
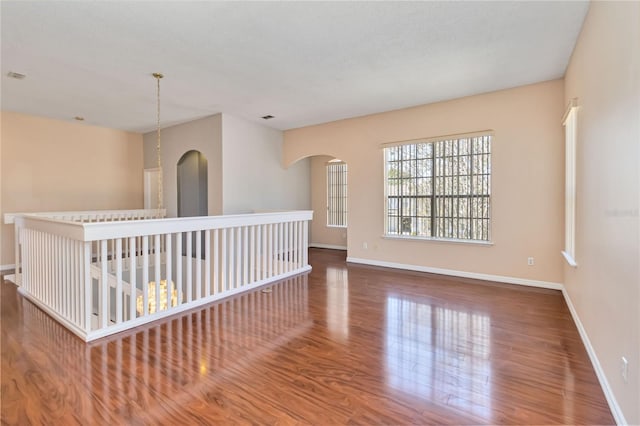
pixel 7 267
pixel 327 246
pixel 602 378
pixel 463 274
pixel 11 278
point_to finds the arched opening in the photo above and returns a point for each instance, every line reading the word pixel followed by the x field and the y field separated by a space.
pixel 329 202
pixel 192 191
pixel 192 185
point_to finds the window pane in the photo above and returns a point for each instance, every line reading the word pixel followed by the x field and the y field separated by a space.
pixel 440 189
pixel 337 194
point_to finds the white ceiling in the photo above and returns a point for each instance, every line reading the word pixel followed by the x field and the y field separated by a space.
pixel 303 62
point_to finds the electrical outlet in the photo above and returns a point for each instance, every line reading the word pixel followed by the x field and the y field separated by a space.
pixel 624 369
pixel 530 261
pixel 365 246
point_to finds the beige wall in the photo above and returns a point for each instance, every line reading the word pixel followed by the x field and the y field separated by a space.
pixel 604 74
pixel 51 165
pixel 253 176
pixel 202 135
pixel 527 175
pixel 321 234
pixel 243 165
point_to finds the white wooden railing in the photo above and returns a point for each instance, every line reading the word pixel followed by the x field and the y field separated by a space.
pixel 77 216
pixel 99 278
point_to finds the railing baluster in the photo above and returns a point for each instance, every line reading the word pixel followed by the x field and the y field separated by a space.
pixel 35 277
pixel 19 270
pixel 223 260
pixel 145 275
pixel 119 296
pixel 133 289
pixel 280 247
pixel 79 283
pixel 238 277
pixel 179 266
pixel 189 265
pixel 295 245
pixel 47 273
pixel 68 284
pixel 28 250
pixel 198 264
pixel 287 267
pixel 294 254
pixel 125 251
pixel 207 263
pixel 111 265
pixel 305 243
pixel 51 271
pixel 53 276
pixel 245 256
pixel 57 287
pixel 232 258
pixel 263 253
pixel 61 287
pixel 87 287
pixel 269 252
pixel 167 257
pixel 72 294
pixel 158 263
pixel 216 266
pixel 55 273
pixel 252 255
pixel 103 313
pixel 46 281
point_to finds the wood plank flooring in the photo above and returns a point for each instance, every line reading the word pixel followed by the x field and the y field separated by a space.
pixel 346 344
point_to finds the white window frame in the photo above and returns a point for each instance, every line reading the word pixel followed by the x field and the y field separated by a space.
pixel 570 124
pixel 336 202
pixel 438 198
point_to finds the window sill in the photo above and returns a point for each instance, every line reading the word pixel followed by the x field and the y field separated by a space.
pixel 570 260
pixel 438 240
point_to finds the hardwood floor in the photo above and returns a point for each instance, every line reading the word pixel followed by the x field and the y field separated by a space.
pixel 345 344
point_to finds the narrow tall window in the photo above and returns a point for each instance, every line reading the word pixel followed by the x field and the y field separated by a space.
pixel 337 193
pixel 439 188
pixel 570 128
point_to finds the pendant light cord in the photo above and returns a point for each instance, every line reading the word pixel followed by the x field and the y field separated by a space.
pixel 158 76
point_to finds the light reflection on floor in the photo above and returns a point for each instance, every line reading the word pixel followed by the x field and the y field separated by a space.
pixel 447 366
pixel 338 302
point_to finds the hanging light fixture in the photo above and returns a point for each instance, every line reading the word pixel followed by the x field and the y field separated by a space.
pixel 158 76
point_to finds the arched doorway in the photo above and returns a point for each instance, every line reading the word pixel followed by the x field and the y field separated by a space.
pixel 329 202
pixel 192 185
pixel 192 191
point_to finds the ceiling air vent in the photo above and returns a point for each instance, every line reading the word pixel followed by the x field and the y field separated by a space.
pixel 16 75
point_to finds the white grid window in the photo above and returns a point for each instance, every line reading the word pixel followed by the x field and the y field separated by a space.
pixel 337 194
pixel 439 189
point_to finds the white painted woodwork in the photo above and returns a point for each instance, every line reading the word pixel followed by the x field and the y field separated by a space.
pixel 88 271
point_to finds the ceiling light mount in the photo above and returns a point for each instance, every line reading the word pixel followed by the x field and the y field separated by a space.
pixel 267 117
pixel 157 75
